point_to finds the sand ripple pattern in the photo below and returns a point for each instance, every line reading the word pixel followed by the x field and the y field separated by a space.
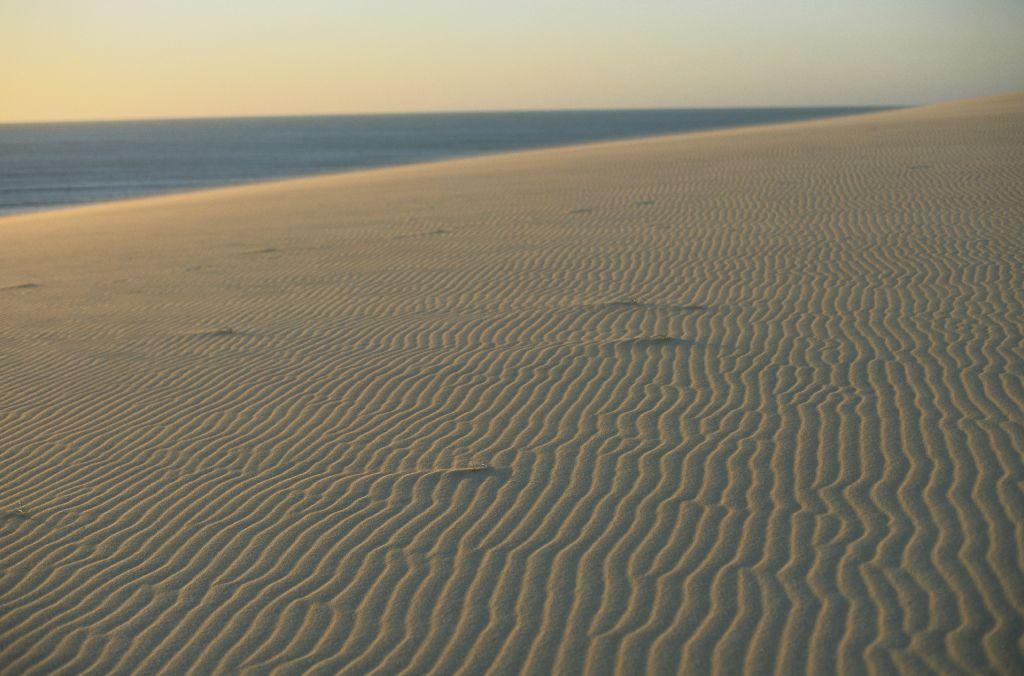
pixel 739 401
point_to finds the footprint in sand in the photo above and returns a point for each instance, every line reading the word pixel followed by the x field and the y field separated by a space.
pixel 432 233
pixel 655 341
pixel 633 303
pixel 218 333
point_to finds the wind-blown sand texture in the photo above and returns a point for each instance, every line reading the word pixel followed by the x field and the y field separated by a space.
pixel 748 400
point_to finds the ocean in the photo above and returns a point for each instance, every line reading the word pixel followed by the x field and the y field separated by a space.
pixel 57 164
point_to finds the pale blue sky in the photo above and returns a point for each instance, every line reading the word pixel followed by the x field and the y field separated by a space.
pixel 103 59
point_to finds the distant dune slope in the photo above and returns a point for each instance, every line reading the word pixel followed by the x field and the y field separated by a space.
pixel 741 400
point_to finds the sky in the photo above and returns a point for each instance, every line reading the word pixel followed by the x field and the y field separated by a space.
pixel 126 59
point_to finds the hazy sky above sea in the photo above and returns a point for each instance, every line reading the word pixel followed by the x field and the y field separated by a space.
pixel 115 59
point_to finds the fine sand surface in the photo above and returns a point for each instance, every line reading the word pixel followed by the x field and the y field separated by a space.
pixel 747 400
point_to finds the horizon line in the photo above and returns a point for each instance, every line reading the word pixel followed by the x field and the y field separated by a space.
pixel 482 111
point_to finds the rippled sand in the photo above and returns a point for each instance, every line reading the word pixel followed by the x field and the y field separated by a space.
pixel 747 400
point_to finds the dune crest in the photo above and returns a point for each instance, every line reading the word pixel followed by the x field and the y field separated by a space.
pixel 738 401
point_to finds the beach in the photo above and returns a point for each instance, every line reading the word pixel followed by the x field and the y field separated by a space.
pixel 746 400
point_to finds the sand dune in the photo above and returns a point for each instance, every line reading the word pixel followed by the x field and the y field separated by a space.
pixel 741 400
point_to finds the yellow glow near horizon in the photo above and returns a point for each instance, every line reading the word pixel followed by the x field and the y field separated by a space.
pixel 113 59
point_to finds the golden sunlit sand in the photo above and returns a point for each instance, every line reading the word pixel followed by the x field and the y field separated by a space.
pixel 741 400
